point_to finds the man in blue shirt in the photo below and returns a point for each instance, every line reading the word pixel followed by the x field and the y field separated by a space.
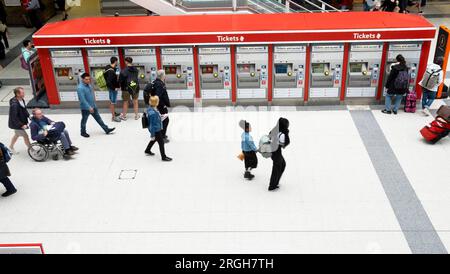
pixel 88 106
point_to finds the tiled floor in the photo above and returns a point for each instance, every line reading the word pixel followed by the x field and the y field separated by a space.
pixel 331 198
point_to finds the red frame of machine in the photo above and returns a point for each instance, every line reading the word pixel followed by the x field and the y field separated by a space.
pixel 232 30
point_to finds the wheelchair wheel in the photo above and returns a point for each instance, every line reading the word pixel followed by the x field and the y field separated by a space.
pixel 38 152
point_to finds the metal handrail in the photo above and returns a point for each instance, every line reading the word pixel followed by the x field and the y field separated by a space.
pixel 297 5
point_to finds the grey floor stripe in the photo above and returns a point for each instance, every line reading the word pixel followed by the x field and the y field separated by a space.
pixel 417 228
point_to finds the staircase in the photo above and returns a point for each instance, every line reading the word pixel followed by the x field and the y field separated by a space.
pixel 176 7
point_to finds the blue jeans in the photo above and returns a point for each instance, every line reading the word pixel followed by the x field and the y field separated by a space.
pixel 84 117
pixel 65 140
pixel 113 96
pixel 397 101
pixel 428 98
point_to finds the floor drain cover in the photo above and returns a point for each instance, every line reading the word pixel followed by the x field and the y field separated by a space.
pixel 128 174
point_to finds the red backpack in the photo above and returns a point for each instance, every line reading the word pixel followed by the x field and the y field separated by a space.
pixel 437 130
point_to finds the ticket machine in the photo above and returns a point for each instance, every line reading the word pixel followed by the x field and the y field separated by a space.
pixel 98 60
pixel 289 71
pixel 215 73
pixel 178 63
pixel 326 71
pixel 364 70
pixel 411 52
pixel 252 74
pixel 68 66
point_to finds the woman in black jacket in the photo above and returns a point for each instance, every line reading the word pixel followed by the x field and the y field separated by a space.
pixel 4 174
pixel 280 140
pixel 397 85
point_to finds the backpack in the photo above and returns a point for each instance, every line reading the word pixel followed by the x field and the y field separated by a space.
pixel 402 80
pixel 24 64
pixel 265 147
pixel 7 155
pixel 132 83
pixel 148 91
pixel 411 102
pixel 100 80
pixel 430 79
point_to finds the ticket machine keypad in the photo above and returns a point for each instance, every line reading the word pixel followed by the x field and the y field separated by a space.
pixel 337 76
pixel 263 76
pixel 190 77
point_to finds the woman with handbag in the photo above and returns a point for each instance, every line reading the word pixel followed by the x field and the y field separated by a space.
pixel 280 140
pixel 155 128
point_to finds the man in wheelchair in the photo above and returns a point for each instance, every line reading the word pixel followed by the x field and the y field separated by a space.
pixel 44 130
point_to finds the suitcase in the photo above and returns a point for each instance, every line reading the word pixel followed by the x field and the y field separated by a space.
pixel 411 102
pixel 437 130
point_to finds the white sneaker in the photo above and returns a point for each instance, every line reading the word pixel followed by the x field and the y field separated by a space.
pixel 137 117
pixel 123 117
pixel 116 119
pixel 13 151
pixel 426 112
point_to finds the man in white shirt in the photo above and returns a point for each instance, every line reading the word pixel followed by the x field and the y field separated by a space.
pixel 432 79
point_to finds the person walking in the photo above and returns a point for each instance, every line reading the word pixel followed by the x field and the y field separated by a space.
pixel 18 118
pixel 397 85
pixel 129 83
pixel 112 83
pixel 5 173
pixel 159 89
pixel 155 128
pixel 249 150
pixel 33 9
pixel 280 140
pixel 431 80
pixel 88 106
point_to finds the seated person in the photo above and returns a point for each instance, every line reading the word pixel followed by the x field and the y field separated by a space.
pixel 44 129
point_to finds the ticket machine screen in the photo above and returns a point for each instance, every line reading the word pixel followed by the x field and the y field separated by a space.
pixel 320 67
pixel 358 67
pixel 63 72
pixel 170 70
pixel 246 68
pixel 207 69
pixel 282 68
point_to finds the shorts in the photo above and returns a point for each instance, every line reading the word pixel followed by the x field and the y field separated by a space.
pixel 126 96
pixel 113 96
pixel 21 133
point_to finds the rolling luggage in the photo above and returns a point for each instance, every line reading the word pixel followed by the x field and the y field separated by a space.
pixel 411 102
pixel 437 130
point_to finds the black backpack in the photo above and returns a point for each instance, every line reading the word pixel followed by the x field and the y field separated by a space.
pixel 148 91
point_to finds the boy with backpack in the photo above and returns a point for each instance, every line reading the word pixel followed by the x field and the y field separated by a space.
pixel 248 150
pixel 129 83
pixel 5 157
pixel 432 79
pixel 397 85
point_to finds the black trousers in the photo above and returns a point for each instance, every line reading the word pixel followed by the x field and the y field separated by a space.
pixel 35 19
pixel 160 140
pixel 165 124
pixel 7 183
pixel 278 168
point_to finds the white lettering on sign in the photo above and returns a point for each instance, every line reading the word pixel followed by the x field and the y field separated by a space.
pixel 366 35
pixel 226 38
pixel 97 41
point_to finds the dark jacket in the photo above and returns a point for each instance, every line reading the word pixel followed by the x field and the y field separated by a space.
pixel 160 90
pixel 391 79
pixel 112 82
pixel 18 115
pixel 35 127
pixel 4 170
pixel 126 75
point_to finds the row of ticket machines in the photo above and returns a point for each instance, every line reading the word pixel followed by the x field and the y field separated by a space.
pixel 215 73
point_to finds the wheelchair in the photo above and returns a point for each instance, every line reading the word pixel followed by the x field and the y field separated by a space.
pixel 43 150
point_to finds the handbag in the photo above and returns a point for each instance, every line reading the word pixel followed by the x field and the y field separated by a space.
pixel 444 112
pixel 145 121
